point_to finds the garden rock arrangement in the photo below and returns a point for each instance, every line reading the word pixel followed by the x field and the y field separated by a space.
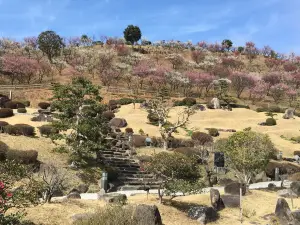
pixel 150 213
pixel 289 114
pixel 122 159
pixel 284 214
pixel 203 214
pixel 216 200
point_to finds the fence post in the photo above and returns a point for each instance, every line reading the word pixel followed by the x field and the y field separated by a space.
pixel 10 94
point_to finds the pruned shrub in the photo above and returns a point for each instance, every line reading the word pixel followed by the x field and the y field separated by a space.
pixel 213 132
pixel 26 103
pixel 21 110
pixel 14 105
pixel 47 130
pixel 178 103
pixel 271 122
pixel 44 105
pixel 4 113
pixel 11 130
pixel 2 125
pixel 25 157
pixel 3 149
pixel 202 138
pixel 153 119
pixel 127 101
pixel 296 139
pixel 25 129
pixel 129 130
pixel 273 109
pixel 189 102
pixel 108 115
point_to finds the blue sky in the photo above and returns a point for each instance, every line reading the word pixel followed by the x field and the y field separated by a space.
pixel 266 22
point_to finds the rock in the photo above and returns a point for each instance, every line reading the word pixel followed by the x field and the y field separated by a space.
pixel 203 214
pixel 261 177
pixel 216 103
pixel 138 140
pixel 295 187
pixel 74 195
pixel 272 186
pixel 83 188
pixel 118 123
pixel 113 197
pixel 234 188
pixel 289 114
pixel 200 107
pixel 283 213
pixel 147 214
pixel 294 177
pixel 216 200
pixel 58 193
pixel 231 201
pixel 286 193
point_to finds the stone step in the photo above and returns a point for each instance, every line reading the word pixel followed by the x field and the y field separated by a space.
pixel 123 166
pixel 137 187
pixel 134 182
pixel 136 175
pixel 140 180
pixel 128 169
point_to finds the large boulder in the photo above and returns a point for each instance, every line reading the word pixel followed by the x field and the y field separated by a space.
pixel 294 177
pixel 216 103
pixel 260 177
pixel 231 201
pixel 112 197
pixel 74 195
pixel 147 214
pixel 234 188
pixel 203 214
pixel 118 123
pixel 289 114
pixel 216 200
pixel 83 188
pixel 295 187
pixel 284 213
pixel 284 168
pixel 138 140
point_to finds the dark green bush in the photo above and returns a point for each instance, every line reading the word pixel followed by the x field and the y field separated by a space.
pixel 25 157
pixel 26 103
pixel 189 102
pixel 273 109
pixel 2 125
pixel 14 105
pixel 127 101
pixel 3 149
pixel 296 139
pixel 4 113
pixel 202 138
pixel 47 130
pixel 271 122
pixel 25 129
pixel 261 110
pixel 11 130
pixel 108 115
pixel 22 110
pixel 153 119
pixel 178 103
pixel 44 105
pixel 213 132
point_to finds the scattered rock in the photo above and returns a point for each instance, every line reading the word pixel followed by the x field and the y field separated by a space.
pixel 283 212
pixel 216 103
pixel 261 177
pixel 138 140
pixel 216 200
pixel 234 188
pixel 272 186
pixel 203 214
pixel 231 201
pixel 74 195
pixel 113 198
pixel 286 193
pixel 147 214
pixel 295 187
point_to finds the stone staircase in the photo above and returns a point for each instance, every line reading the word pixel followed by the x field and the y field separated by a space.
pixel 123 160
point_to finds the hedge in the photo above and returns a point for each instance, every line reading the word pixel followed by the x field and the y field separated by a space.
pixel 11 130
pixel 3 149
pixel 2 125
pixel 22 110
pixel 4 113
pixel 202 138
pixel 213 132
pixel 25 157
pixel 127 101
pixel 14 105
pixel 25 129
pixel 47 130
pixel 271 122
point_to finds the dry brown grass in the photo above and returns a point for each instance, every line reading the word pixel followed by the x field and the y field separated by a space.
pixel 173 213
pixel 237 119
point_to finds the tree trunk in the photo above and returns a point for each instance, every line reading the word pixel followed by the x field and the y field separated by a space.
pixel 160 196
pixel 165 145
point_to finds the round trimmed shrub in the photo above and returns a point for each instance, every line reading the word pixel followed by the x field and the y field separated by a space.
pixel 213 132
pixel 14 105
pixel 25 129
pixel 271 122
pixel 202 138
pixel 129 130
pixel 189 102
pixel 47 130
pixel 153 119
pixel 26 103
pixel 4 113
pixel 108 115
pixel 44 105
pixel 11 130
pixel 25 157
pixel 3 149
pixel 21 110
pixel 2 125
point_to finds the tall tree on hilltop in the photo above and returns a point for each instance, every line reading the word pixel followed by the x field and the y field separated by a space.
pixel 50 44
pixel 79 110
pixel 132 34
